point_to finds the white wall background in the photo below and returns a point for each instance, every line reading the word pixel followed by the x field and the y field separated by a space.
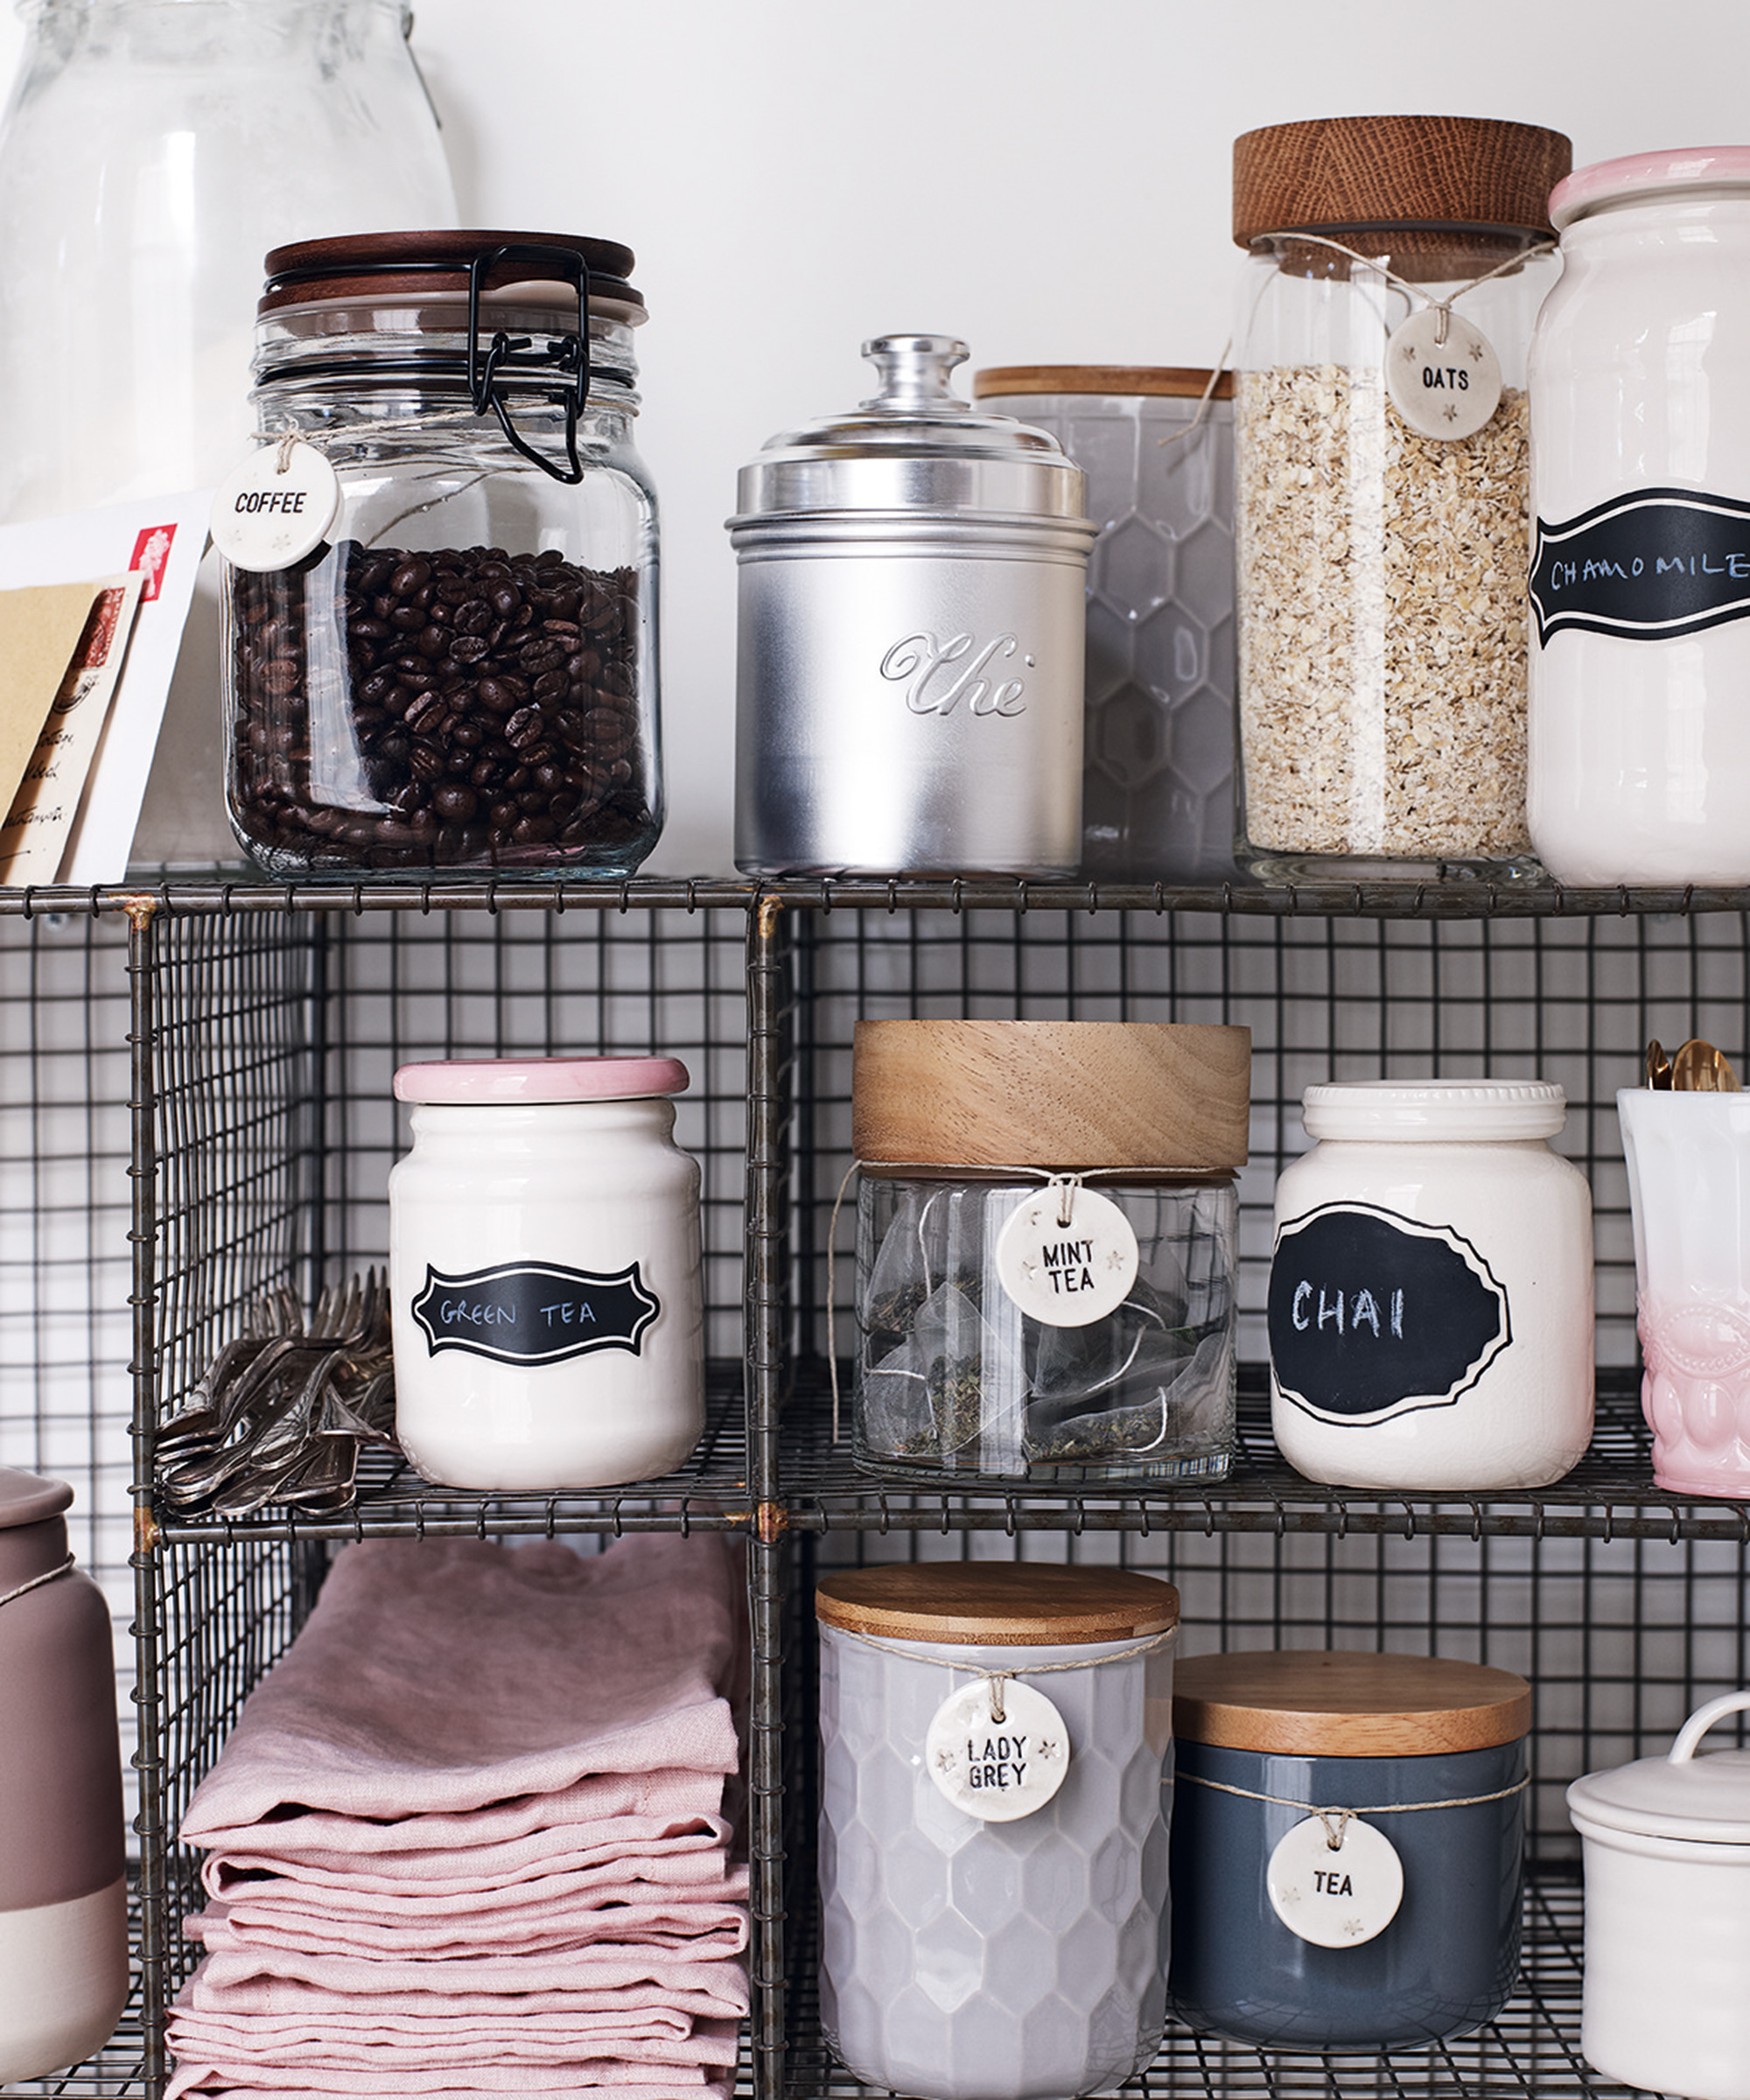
pixel 1049 181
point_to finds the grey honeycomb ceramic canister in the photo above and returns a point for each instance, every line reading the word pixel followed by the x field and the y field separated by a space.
pixel 995 1793
pixel 910 614
pixel 63 1866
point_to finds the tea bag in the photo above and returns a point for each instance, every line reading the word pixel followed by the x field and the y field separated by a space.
pixel 952 1390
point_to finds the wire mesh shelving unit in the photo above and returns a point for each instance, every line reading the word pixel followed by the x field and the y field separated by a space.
pixel 201 1111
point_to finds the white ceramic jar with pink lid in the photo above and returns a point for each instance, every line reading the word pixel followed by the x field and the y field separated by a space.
pixel 1639 742
pixel 544 1274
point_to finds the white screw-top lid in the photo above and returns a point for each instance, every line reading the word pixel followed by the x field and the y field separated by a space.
pixel 1703 1799
pixel 1466 1111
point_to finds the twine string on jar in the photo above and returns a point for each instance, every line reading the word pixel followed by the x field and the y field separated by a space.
pixel 1066 1185
pixel 1341 1818
pixel 997 1678
pixel 37 1581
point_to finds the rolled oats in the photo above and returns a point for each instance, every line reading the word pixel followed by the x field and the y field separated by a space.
pixel 1382 623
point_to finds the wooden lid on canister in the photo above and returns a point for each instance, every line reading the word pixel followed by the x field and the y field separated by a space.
pixel 996 1603
pixel 1337 1702
pixel 1180 381
pixel 1155 1096
pixel 1333 174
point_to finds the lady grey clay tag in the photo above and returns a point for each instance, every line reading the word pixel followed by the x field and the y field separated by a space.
pixel 1335 1896
pixel 276 508
pixel 1371 1314
pixel 1442 373
pixel 1066 1256
pixel 997 1769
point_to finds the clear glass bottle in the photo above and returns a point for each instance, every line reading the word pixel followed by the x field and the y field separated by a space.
pixel 464 675
pixel 151 151
pixel 1381 445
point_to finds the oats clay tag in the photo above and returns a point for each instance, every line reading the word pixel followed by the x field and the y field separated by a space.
pixel 997 1768
pixel 1066 1256
pixel 1340 1896
pixel 1442 373
pixel 276 508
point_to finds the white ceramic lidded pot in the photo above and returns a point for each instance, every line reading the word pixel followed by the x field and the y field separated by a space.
pixel 1430 1290
pixel 544 1273
pixel 996 1791
pixel 1667 1842
pixel 1639 750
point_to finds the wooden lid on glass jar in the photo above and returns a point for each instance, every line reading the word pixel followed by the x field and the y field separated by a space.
pixel 1339 1703
pixel 1350 174
pixel 1066 1095
pixel 996 1603
pixel 1175 382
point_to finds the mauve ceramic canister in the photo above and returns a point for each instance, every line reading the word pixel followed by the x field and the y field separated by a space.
pixel 63 1857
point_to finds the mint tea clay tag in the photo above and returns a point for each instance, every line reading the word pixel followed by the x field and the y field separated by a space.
pixel 998 1749
pixel 1068 1256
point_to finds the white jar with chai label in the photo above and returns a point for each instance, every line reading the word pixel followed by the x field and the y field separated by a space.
pixel 1430 1290
pixel 996 1788
pixel 545 1273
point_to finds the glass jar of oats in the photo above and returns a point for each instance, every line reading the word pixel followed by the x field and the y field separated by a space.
pixel 1396 266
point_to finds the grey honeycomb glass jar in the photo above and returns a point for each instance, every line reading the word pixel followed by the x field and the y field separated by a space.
pixel 1050 1922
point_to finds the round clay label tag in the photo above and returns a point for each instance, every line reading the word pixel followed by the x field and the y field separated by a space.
pixel 999 1770
pixel 1445 382
pixel 1335 1897
pixel 1066 1256
pixel 276 508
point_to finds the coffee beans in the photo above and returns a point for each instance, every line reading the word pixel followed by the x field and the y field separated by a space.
pixel 465 707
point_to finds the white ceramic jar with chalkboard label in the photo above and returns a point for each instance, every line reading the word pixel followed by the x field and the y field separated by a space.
pixel 544 1273
pixel 1430 1290
pixel 1639 741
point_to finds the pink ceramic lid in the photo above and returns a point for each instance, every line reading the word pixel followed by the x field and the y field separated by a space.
pixel 512 1080
pixel 1642 177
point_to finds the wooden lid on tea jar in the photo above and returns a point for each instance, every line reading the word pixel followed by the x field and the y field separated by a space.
pixel 996 1603
pixel 1339 1703
pixel 1154 1096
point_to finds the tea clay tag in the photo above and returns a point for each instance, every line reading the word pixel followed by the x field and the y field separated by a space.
pixel 1066 1256
pixel 1335 1880
pixel 998 1749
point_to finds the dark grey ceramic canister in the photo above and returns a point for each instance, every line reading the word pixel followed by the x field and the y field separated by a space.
pixel 1433 1754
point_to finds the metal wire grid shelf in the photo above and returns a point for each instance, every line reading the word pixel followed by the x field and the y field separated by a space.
pixel 264 1040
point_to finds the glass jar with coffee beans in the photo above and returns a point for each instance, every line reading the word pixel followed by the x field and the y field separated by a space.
pixel 441 598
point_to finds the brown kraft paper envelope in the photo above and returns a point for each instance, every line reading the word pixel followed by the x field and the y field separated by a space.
pixel 39 629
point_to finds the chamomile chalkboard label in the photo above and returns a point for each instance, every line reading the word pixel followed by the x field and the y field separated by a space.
pixel 1372 1315
pixel 1652 565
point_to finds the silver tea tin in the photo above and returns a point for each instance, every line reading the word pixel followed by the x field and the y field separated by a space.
pixel 910 631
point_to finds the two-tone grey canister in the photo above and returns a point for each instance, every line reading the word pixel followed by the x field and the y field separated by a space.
pixel 911 620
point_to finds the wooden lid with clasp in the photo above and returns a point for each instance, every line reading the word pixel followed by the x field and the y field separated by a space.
pixel 1337 1702
pixel 1059 1094
pixel 996 1603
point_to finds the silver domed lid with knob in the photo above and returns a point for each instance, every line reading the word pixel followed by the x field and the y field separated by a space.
pixel 914 445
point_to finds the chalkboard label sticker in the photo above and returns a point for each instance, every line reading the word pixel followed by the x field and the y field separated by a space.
pixel 1652 565
pixel 998 1769
pixel 1373 1315
pixel 1335 1896
pixel 1445 383
pixel 276 508
pixel 1066 1256
pixel 530 1312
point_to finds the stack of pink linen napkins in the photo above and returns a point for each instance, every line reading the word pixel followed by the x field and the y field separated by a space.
pixel 470 1835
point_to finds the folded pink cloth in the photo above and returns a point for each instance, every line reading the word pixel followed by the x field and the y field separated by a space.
pixel 608 1910
pixel 668 2002
pixel 439 1676
pixel 449 1868
pixel 664 2084
pixel 386 2041
pixel 700 1930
